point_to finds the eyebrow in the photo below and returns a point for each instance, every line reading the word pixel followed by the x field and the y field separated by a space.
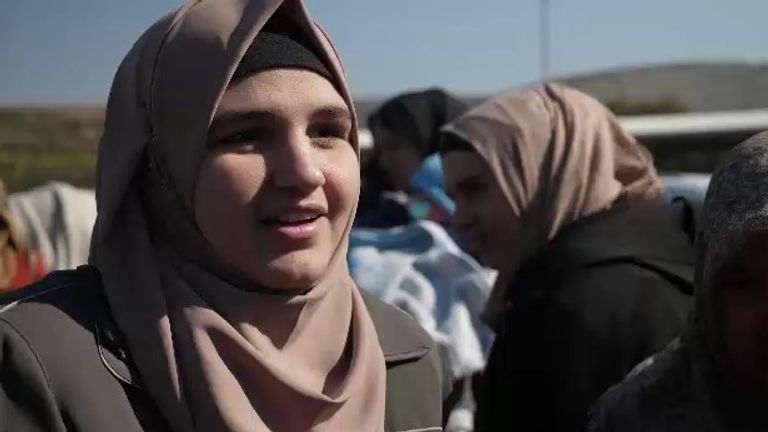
pixel 335 112
pixel 464 182
pixel 241 116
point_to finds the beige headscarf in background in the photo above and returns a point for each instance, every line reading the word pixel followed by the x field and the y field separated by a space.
pixel 215 357
pixel 558 155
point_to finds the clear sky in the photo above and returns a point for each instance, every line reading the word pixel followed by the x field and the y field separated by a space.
pixel 66 51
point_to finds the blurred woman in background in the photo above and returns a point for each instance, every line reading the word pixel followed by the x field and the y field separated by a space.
pixel 715 378
pixel 595 271
pixel 219 298
pixel 405 132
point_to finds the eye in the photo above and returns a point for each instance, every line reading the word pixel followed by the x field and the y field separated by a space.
pixel 250 135
pixel 473 188
pixel 327 135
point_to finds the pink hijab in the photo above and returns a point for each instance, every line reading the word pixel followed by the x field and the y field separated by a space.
pixel 212 356
pixel 559 156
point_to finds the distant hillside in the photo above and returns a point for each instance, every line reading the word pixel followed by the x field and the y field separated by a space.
pixel 42 144
pixel 699 87
pixel 365 106
pixel 689 86
pixel 38 144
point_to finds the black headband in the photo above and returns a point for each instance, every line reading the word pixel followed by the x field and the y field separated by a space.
pixel 281 44
pixel 449 142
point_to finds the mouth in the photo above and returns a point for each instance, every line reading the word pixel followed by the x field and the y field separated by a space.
pixel 470 235
pixel 294 224
pixel 291 219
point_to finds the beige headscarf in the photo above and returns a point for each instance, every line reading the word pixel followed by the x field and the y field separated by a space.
pixel 558 155
pixel 215 357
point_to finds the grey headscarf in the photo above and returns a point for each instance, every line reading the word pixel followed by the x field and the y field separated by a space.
pixel 736 205
pixel 686 387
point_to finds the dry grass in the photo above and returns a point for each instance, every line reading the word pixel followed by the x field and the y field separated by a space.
pixel 42 144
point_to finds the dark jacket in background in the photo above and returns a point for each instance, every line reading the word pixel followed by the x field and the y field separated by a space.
pixel 679 390
pixel 607 292
pixel 64 367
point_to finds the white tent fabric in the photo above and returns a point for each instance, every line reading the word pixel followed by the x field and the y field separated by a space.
pixel 420 269
pixel 56 219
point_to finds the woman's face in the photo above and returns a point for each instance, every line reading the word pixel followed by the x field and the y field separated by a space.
pixel 280 179
pixel 399 164
pixel 743 282
pixel 483 216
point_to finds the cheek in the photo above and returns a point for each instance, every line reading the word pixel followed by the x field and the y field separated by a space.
pixel 505 228
pixel 411 163
pixel 388 165
pixel 226 186
pixel 399 166
pixel 342 183
pixel 746 335
pixel 498 213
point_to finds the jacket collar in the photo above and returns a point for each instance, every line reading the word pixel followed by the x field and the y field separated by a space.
pixel 654 235
pixel 647 231
pixel 401 338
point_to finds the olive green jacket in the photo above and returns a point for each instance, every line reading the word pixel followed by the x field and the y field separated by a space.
pixel 64 366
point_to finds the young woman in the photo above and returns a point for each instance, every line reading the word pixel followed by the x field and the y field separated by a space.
pixel 565 204
pixel 715 377
pixel 219 297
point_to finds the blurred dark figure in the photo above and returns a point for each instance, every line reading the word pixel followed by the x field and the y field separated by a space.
pixel 715 378
pixel 595 270
pixel 18 265
pixel 405 132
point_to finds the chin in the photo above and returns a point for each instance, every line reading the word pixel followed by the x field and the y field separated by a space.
pixel 484 258
pixel 293 271
pixel 498 263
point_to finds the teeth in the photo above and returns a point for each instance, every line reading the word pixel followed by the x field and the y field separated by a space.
pixel 297 217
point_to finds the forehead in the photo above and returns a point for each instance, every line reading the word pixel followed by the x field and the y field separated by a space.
pixel 459 165
pixel 278 90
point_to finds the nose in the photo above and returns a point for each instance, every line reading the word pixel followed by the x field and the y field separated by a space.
pixel 297 165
